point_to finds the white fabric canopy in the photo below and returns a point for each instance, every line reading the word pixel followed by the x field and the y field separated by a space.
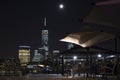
pixel 105 13
pixel 87 38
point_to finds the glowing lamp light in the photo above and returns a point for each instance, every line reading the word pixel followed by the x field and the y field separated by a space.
pixel 99 55
pixel 41 65
pixel 74 57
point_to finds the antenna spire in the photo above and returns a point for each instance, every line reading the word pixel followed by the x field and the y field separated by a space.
pixel 45 21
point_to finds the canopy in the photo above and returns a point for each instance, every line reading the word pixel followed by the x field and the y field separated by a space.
pixel 87 38
pixel 77 50
pixel 105 13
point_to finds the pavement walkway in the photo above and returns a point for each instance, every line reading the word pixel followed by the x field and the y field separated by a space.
pixel 47 77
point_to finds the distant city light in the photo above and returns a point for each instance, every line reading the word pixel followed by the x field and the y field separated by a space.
pixel 41 65
pixel 112 56
pixel 99 55
pixel 74 57
pixel 61 6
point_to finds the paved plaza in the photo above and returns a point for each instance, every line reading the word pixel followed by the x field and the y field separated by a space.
pixel 49 77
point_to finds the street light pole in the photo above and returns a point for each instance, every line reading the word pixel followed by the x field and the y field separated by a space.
pixel 62 65
pixel 74 58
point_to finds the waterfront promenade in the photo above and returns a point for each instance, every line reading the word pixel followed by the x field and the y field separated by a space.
pixel 54 77
pixel 43 77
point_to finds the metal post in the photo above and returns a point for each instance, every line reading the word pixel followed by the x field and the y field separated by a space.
pixel 87 61
pixel 118 78
pixel 116 49
pixel 62 65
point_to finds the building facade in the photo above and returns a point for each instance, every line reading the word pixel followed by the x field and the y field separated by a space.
pixel 45 40
pixel 24 54
pixel 70 45
pixel 37 56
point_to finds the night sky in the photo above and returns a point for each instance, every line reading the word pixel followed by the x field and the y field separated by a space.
pixel 21 23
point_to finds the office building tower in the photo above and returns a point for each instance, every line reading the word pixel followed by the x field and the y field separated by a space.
pixel 45 40
pixel 70 45
pixel 56 52
pixel 55 59
pixel 24 54
pixel 37 56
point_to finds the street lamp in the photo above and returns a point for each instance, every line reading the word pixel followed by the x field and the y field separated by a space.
pixel 99 55
pixel 74 58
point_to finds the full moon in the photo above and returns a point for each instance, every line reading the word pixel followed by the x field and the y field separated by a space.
pixel 61 6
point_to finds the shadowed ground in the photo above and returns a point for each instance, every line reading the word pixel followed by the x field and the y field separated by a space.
pixel 45 77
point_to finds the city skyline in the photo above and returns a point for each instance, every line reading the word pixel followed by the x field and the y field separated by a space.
pixel 23 21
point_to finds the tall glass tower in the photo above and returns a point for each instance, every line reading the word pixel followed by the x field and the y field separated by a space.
pixel 45 40
pixel 70 45
pixel 37 56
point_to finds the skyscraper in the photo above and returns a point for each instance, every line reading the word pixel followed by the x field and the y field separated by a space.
pixel 37 56
pixel 56 52
pixel 45 40
pixel 24 54
pixel 70 45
